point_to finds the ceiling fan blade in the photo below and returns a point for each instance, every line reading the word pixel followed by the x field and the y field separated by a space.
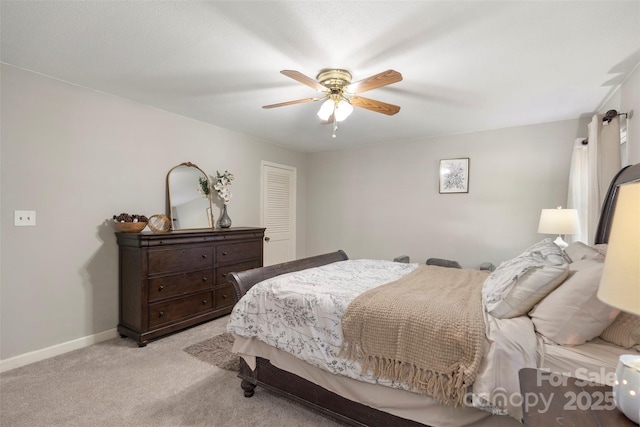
pixel 373 105
pixel 306 80
pixel 297 101
pixel 378 80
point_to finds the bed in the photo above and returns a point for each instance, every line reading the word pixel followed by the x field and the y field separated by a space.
pixel 320 372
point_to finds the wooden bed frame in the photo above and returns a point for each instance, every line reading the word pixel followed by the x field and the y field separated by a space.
pixel 353 413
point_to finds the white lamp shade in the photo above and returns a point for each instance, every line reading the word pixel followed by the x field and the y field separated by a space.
pixel 342 111
pixel 326 110
pixel 559 221
pixel 620 282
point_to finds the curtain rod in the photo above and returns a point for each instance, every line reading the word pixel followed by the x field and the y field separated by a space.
pixel 611 114
pixel 608 116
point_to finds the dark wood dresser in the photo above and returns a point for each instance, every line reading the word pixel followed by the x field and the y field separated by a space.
pixel 170 281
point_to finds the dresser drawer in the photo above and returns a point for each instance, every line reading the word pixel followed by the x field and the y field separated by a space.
pixel 224 297
pixel 237 252
pixel 180 259
pixel 179 308
pixel 222 273
pixel 179 284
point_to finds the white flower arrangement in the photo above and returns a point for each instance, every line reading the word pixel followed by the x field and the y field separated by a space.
pixel 221 185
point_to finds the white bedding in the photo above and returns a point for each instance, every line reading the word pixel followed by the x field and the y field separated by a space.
pixel 300 313
pixel 594 361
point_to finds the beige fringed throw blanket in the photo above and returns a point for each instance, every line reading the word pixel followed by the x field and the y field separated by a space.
pixel 426 330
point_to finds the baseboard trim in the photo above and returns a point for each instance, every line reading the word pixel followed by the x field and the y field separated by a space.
pixel 56 350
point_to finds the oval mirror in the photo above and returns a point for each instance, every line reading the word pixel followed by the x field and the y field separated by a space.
pixel 189 206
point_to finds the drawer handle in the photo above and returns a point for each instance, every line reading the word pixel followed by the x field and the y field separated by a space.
pixel 204 301
pixel 161 314
pixel 224 274
pixel 161 287
pixel 224 254
pixel 224 296
pixel 204 279
pixel 204 255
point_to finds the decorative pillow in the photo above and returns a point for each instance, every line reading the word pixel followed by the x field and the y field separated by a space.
pixel 602 248
pixel 572 314
pixel 624 331
pixel 519 283
pixel 578 250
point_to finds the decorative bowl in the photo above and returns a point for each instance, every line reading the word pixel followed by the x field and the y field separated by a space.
pixel 159 223
pixel 129 227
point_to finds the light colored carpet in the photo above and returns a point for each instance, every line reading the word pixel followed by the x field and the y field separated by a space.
pixel 115 383
pixel 216 351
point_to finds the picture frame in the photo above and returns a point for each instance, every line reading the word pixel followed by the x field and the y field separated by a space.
pixel 454 175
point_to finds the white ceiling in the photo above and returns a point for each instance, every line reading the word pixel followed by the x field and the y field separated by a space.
pixel 467 65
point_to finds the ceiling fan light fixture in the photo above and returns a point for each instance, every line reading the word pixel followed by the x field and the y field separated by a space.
pixel 340 95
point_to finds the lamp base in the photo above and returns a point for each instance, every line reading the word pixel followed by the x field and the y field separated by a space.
pixel 560 243
pixel 626 388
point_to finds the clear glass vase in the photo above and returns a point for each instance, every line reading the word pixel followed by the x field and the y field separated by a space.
pixel 225 221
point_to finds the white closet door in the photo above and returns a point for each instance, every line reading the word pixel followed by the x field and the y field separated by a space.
pixel 278 212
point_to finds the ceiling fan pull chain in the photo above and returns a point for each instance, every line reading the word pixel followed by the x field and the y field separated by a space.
pixel 335 128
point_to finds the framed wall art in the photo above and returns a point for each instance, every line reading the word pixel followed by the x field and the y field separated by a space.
pixel 454 175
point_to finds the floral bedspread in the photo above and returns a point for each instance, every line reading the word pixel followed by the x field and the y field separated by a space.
pixel 300 312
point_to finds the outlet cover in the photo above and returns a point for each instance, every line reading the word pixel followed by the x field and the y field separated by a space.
pixel 24 218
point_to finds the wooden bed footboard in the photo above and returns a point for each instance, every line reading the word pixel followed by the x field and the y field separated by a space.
pixel 244 280
pixel 315 397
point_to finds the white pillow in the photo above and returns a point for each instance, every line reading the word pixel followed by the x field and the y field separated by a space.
pixel 578 250
pixel 572 314
pixel 519 283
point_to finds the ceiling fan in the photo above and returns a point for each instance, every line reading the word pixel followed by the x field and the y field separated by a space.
pixel 340 95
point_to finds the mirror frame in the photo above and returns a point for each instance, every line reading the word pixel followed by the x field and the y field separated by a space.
pixel 170 210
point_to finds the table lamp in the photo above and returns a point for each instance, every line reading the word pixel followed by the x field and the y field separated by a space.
pixel 559 221
pixel 620 288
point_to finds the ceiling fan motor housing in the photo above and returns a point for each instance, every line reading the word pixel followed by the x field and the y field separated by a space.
pixel 334 78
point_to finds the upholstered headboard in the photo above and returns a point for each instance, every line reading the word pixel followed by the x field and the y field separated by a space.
pixel 626 174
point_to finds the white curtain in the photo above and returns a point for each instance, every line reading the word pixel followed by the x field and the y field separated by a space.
pixel 578 188
pixel 587 190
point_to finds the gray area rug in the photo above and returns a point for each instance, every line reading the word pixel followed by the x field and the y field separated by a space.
pixel 216 351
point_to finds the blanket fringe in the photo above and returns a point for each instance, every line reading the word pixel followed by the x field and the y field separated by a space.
pixel 447 388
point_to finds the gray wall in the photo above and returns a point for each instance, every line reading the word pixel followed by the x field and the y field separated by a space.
pixel 77 157
pixel 383 201
pixel 627 100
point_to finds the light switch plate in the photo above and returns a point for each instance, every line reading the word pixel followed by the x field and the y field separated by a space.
pixel 24 218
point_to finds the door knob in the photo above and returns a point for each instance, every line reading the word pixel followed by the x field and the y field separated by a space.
pixel 266 239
